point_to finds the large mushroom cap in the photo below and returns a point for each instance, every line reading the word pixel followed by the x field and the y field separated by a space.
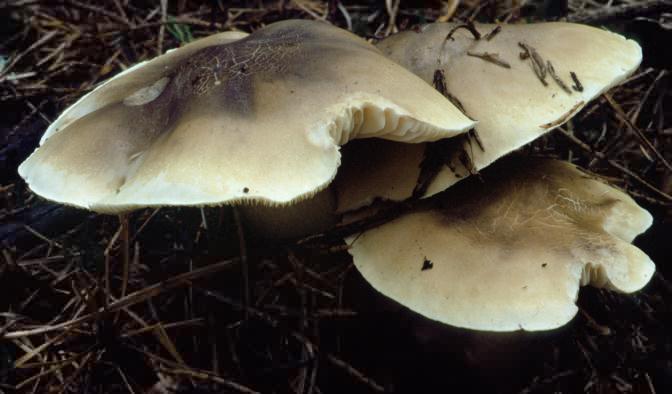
pixel 259 118
pixel 511 252
pixel 501 90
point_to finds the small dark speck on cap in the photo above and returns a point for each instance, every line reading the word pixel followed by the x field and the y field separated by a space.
pixel 426 265
pixel 544 265
pixel 246 190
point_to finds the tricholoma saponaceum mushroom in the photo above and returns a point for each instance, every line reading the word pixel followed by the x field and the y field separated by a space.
pixel 508 253
pixel 259 119
pixel 229 119
pixel 497 79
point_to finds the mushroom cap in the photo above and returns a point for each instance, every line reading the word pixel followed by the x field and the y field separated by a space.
pixel 512 106
pixel 260 118
pixel 134 79
pixel 509 253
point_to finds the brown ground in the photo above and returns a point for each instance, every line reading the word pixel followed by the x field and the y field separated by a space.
pixel 311 323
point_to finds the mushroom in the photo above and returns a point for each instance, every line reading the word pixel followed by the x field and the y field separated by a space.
pixel 508 252
pixel 517 81
pixel 228 119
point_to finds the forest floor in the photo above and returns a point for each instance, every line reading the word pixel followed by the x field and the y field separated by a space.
pixel 309 322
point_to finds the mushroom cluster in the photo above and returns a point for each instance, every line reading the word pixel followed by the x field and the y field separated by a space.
pixel 258 121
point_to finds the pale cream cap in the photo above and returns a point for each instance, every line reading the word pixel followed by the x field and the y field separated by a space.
pixel 259 118
pixel 512 105
pixel 510 252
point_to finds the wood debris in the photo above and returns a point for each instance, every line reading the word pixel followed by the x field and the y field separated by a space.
pixel 468 26
pixel 439 82
pixel 491 58
pixel 564 117
pixel 493 33
pixel 556 78
pixel 577 84
pixel 538 64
